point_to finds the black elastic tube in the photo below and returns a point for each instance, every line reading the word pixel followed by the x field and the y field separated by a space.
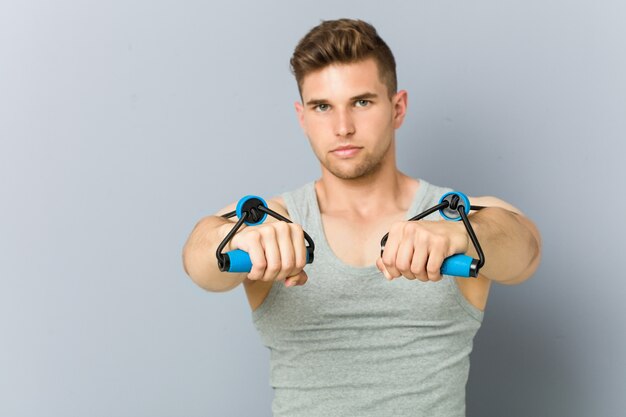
pixel 218 252
pixel 244 215
pixel 423 214
pixel 283 218
pixel 472 235
pixel 431 210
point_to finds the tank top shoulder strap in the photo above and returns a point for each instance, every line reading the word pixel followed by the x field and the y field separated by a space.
pixel 299 204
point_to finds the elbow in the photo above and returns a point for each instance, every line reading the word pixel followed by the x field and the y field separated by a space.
pixel 533 252
pixel 535 248
pixel 203 277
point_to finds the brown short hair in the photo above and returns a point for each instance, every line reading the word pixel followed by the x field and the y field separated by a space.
pixel 343 41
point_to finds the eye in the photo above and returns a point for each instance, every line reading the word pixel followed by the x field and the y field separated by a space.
pixel 321 107
pixel 362 103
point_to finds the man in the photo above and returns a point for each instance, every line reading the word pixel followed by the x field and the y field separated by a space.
pixel 367 335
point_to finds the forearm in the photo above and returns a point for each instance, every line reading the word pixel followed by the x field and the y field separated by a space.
pixel 511 244
pixel 199 258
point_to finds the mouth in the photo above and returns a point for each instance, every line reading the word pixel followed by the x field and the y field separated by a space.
pixel 346 151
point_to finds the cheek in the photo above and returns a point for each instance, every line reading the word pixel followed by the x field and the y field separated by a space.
pixel 375 125
pixel 315 137
pixel 316 129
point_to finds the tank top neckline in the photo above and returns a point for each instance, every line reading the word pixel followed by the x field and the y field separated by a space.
pixel 323 247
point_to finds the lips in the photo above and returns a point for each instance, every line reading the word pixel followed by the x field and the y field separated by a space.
pixel 346 151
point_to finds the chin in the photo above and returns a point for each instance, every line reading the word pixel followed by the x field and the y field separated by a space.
pixel 353 173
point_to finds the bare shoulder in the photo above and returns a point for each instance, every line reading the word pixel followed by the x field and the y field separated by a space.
pixel 278 205
pixel 490 201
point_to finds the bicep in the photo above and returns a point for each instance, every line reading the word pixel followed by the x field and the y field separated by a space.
pixel 489 201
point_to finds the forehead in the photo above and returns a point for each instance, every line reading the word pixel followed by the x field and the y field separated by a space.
pixel 339 81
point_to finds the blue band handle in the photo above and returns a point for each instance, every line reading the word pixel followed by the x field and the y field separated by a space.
pixel 459 265
pixel 239 261
pixel 456 265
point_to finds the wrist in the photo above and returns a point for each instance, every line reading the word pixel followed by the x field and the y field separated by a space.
pixel 461 241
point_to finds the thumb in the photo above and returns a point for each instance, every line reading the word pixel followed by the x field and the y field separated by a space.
pixel 298 279
pixel 381 268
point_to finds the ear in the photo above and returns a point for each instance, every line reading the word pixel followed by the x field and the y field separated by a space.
pixel 300 111
pixel 399 102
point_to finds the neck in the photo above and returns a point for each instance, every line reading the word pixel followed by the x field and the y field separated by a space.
pixel 384 191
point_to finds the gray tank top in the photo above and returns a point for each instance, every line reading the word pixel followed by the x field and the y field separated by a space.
pixel 351 343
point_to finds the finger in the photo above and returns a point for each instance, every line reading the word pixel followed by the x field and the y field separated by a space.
pixel 303 278
pixel 295 279
pixel 437 255
pixel 287 253
pixel 381 268
pixel 257 256
pixel 298 279
pixel 418 265
pixel 404 258
pixel 433 267
pixel 272 254
pixel 391 250
pixel 299 246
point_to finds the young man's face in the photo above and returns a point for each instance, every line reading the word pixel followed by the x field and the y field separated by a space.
pixel 349 118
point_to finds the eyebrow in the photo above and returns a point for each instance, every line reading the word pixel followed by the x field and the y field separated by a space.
pixel 364 96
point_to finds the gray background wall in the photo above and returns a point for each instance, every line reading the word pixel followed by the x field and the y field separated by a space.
pixel 123 123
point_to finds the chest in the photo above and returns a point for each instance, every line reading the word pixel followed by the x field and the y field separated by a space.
pixel 356 242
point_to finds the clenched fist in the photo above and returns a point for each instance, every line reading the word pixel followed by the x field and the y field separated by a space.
pixel 277 252
pixel 416 250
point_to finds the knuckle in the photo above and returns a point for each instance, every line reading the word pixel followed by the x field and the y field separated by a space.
pixel 281 226
pixel 441 242
pixel 273 267
pixel 422 237
pixel 253 235
pixel 397 229
pixel 260 264
pixel 411 227
pixel 403 265
pixel 294 227
pixel 432 270
pixel 301 263
pixel 436 240
pixel 267 231
pixel 288 264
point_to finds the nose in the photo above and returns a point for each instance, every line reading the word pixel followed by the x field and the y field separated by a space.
pixel 344 124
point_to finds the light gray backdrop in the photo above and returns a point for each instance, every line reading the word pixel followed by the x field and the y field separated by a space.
pixel 122 123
